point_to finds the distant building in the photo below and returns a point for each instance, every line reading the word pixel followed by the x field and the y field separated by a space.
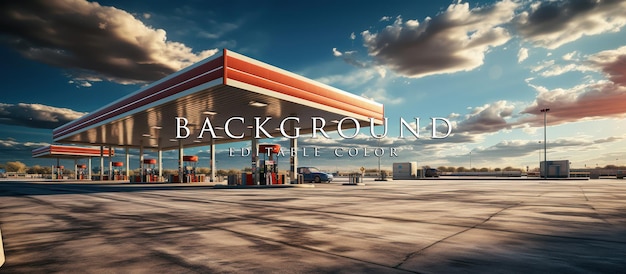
pixel 556 169
pixel 405 171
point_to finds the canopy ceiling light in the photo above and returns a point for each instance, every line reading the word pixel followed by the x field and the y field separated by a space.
pixel 257 104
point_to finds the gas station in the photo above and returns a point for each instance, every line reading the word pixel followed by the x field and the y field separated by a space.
pixel 81 171
pixel 219 88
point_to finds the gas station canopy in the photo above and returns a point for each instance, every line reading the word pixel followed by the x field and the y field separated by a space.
pixel 68 152
pixel 219 88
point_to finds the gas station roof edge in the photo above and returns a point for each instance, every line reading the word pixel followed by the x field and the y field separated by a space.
pixel 228 82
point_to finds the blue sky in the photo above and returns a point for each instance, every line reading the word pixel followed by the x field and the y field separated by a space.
pixel 488 66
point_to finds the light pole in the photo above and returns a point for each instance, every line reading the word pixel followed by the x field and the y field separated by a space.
pixel 539 155
pixel 545 146
pixel 470 156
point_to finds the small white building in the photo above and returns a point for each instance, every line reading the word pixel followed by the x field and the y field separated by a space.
pixel 405 171
pixel 556 169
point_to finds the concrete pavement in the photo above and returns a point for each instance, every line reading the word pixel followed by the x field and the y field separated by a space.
pixel 428 226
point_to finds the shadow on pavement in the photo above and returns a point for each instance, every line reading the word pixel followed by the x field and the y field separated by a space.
pixel 17 189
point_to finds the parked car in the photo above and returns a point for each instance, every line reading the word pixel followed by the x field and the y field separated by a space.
pixel 431 172
pixel 314 175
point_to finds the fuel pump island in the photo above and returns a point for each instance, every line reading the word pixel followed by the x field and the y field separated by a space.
pixel 264 168
pixel 190 163
pixel 268 165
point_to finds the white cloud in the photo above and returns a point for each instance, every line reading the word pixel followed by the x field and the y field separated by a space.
pixel 589 101
pixel 12 150
pixel 336 52
pixel 8 143
pixel 455 40
pixel 84 81
pixel 15 145
pixel 486 118
pixel 569 56
pixel 583 102
pixel 529 130
pixel 120 48
pixel 551 24
pixel 351 58
pixel 522 55
pixel 381 71
pixel 381 95
pixel 611 62
pixel 543 65
pixel 519 148
pixel 556 70
pixel 36 115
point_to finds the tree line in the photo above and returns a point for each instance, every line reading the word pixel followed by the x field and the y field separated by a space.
pixel 508 168
pixel 19 167
pixel 474 169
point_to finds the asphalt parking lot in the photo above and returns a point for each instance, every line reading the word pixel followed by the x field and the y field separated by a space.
pixel 430 226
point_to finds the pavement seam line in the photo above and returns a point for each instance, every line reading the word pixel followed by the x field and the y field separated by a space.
pixel 150 192
pixel 252 204
pixel 584 194
pixel 309 248
pixel 413 254
pixel 266 239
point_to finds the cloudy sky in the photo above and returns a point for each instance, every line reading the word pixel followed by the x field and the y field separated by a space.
pixel 487 66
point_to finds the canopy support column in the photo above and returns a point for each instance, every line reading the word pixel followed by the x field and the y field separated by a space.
pixel 127 164
pixel 101 163
pixel 160 160
pixel 255 161
pixel 58 168
pixel 110 163
pixel 141 161
pixel 180 161
pixel 293 154
pixel 75 169
pixel 212 164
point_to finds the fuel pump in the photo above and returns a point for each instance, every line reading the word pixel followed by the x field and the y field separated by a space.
pixel 189 169
pixel 117 170
pixel 268 165
pixel 58 173
pixel 149 171
pixel 80 171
